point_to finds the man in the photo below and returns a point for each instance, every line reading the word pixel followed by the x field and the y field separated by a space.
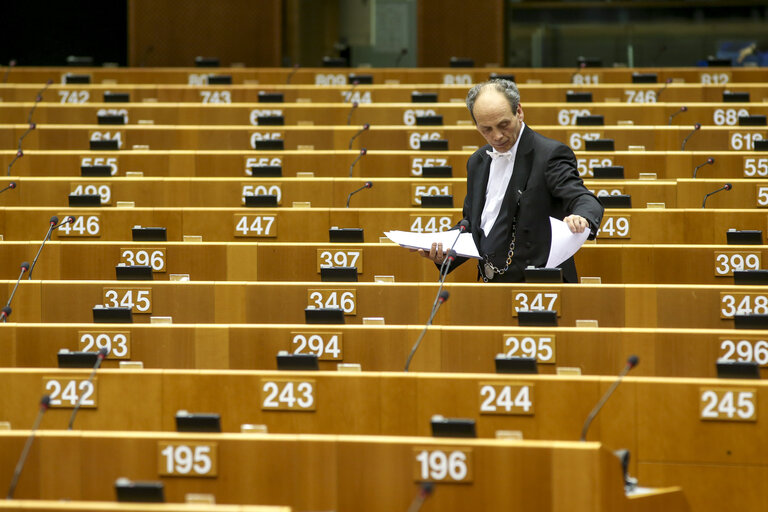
pixel 514 184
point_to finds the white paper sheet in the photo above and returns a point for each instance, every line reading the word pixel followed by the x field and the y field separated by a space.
pixel 564 243
pixel 465 246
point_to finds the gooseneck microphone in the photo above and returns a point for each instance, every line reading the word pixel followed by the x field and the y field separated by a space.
pixel 31 127
pixel 449 259
pixel 54 223
pixel 441 298
pixel 442 295
pixel 19 154
pixel 679 111
pixel 363 152
pixel 368 184
pixel 44 402
pixel 696 128
pixel 349 116
pixel 425 491
pixel 38 99
pixel 99 358
pixel 727 186
pixel 709 161
pixel 361 130
pixel 6 311
pixel 11 64
pixel 293 72
pixel 10 186
pixel 631 363
pixel 355 83
pixel 582 65
pixel 666 84
pixel 400 56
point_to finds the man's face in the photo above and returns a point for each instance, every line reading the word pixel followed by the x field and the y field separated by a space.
pixel 496 121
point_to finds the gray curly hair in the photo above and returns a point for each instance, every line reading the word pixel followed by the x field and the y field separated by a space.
pixel 505 87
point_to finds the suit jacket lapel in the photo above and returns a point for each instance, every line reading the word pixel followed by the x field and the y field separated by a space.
pixel 478 195
pixel 521 172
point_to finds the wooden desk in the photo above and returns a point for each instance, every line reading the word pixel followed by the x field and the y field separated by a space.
pixel 375 164
pixel 224 261
pixel 684 93
pixel 376 114
pixel 111 506
pixel 333 192
pixel 156 137
pixel 622 226
pixel 323 76
pixel 457 349
pixel 666 306
pixel 313 472
pixel 320 192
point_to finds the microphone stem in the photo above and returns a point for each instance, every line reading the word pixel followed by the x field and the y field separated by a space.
pixel 423 332
pixel 14 290
pixel 80 398
pixel 602 401
pixel 47 236
pixel 24 454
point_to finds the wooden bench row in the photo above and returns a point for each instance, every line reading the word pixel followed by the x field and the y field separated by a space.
pixel 456 349
pixel 334 192
pixel 340 113
pixel 323 76
pixel 343 473
pixel 266 261
pixel 621 225
pixel 374 164
pixel 684 93
pixel 156 137
pixel 631 305
pixel 33 505
pixel 645 415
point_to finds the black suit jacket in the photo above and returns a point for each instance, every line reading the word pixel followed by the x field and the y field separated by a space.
pixel 545 183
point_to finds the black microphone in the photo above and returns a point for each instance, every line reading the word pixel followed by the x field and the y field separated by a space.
pixel 293 72
pixel 99 358
pixel 355 83
pixel 361 130
pixel 19 154
pixel 54 223
pixel 682 109
pixel 368 184
pixel 441 298
pixel 44 402
pixel 6 311
pixel 425 491
pixel 361 155
pixel 38 99
pixel 32 126
pixel 666 84
pixel 727 186
pixel 631 363
pixel 582 65
pixel 349 116
pixel 11 64
pixel 402 54
pixel 442 295
pixel 11 185
pixel 709 161
pixel 696 128
pixel 451 256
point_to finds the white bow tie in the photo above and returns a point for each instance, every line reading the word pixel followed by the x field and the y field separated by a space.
pixel 495 154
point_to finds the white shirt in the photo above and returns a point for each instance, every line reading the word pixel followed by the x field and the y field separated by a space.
pixel 502 167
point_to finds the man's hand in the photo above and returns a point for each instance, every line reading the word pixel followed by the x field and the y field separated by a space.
pixel 436 253
pixel 576 223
